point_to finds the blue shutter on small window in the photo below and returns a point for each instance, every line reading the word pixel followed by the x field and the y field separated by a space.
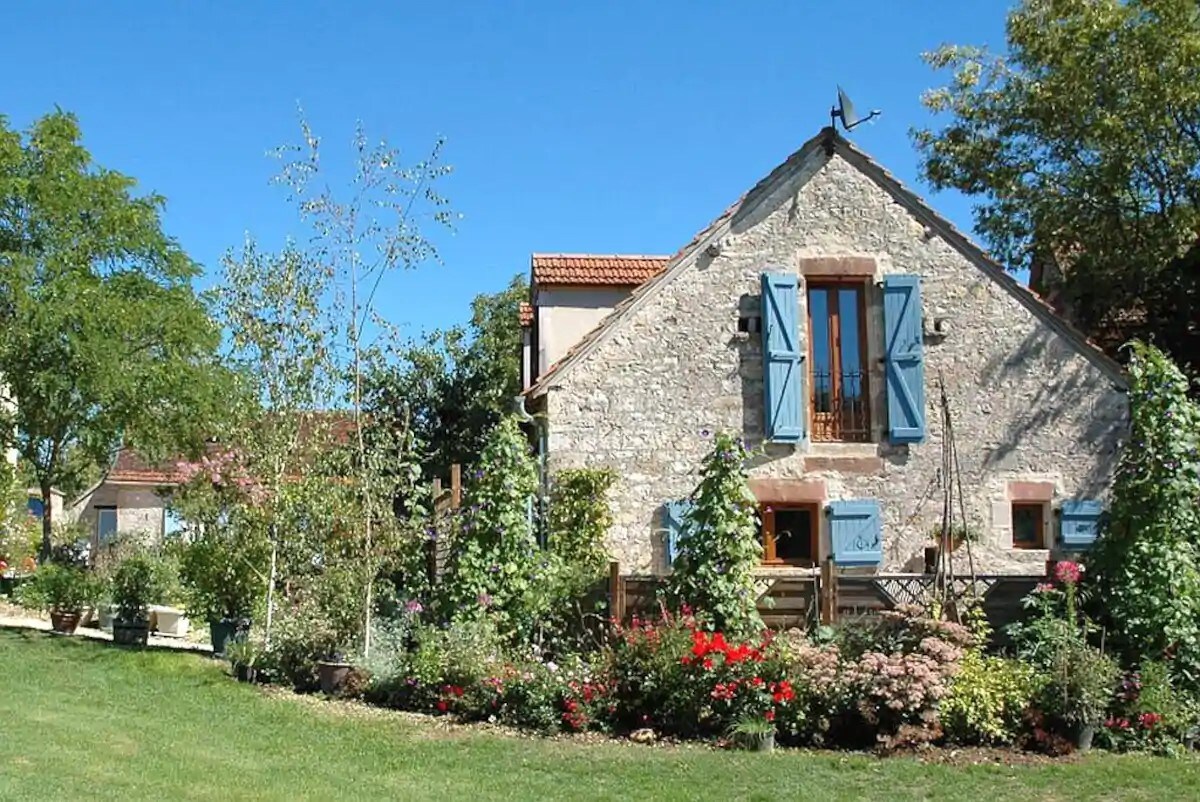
pixel 674 518
pixel 783 382
pixel 1080 522
pixel 855 532
pixel 36 507
pixel 904 358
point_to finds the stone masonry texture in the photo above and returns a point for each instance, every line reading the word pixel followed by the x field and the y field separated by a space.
pixel 1027 406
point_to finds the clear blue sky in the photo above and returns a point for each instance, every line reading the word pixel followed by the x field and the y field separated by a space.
pixel 604 126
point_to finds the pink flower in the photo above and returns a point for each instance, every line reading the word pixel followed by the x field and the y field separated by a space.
pixel 1068 572
pixel 1043 587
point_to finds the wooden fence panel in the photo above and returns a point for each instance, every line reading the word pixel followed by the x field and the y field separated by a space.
pixel 803 601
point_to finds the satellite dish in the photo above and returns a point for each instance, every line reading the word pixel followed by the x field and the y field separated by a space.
pixel 845 111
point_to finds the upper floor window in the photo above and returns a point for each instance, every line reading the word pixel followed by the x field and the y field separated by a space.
pixel 839 399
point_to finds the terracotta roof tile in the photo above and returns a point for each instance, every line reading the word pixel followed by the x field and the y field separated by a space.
pixel 581 268
pixel 525 314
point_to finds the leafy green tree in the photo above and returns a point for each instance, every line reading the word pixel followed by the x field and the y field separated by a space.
pixel 1081 145
pixel 103 341
pixel 718 544
pixel 495 564
pixel 1147 560
pixel 456 385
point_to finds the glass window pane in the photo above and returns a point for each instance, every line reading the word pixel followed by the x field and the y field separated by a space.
pixel 822 380
pixel 1027 526
pixel 106 524
pixel 793 536
pixel 848 320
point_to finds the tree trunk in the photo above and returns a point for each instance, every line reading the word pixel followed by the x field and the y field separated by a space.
pixel 47 525
pixel 271 586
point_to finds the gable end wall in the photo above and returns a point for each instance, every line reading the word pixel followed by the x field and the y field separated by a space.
pixel 1026 405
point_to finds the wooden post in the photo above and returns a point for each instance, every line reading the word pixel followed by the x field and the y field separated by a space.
pixel 616 593
pixel 455 486
pixel 828 592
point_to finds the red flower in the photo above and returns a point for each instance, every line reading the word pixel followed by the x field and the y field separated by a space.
pixel 708 664
pixel 770 715
pixel 1150 720
pixel 442 705
pixel 1068 572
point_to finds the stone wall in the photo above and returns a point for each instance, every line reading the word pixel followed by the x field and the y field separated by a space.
pixel 1028 409
pixel 139 509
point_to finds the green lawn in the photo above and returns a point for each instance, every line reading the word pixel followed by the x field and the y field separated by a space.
pixel 85 720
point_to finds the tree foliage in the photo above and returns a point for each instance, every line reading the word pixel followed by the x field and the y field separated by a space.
pixel 1082 147
pixel 1147 559
pixel 455 385
pixel 718 545
pixel 103 341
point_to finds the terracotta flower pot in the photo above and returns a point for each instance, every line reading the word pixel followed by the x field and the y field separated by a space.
pixel 333 676
pixel 64 622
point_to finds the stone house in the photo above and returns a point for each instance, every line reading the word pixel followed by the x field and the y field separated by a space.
pixel 133 498
pixel 822 317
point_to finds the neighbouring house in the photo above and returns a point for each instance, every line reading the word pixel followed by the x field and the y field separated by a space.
pixel 133 498
pixel 821 317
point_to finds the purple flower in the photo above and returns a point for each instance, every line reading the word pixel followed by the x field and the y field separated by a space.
pixel 493 568
pixel 413 607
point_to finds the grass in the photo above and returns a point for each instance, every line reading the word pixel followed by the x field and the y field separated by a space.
pixel 86 720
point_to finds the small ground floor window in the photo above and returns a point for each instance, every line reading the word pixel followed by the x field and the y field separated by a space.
pixel 789 534
pixel 1029 525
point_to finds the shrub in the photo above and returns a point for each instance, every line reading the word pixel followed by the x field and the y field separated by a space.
pixel 1078 686
pixel 219 577
pixel 60 588
pixel 1150 714
pixel 718 545
pixel 138 582
pixel 987 700
pixel 682 680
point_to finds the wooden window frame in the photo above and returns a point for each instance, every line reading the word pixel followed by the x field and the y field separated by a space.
pixel 767 528
pixel 1041 508
pixel 828 427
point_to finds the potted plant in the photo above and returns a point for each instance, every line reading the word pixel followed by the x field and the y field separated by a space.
pixel 220 586
pixel 756 733
pixel 1079 689
pixel 137 582
pixel 332 672
pixel 64 592
pixel 243 657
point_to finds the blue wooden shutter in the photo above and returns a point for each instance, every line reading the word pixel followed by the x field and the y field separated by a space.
pixel 674 517
pixel 1080 522
pixel 856 532
pixel 904 358
pixel 783 384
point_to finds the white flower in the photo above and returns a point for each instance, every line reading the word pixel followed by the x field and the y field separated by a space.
pixel 552 666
